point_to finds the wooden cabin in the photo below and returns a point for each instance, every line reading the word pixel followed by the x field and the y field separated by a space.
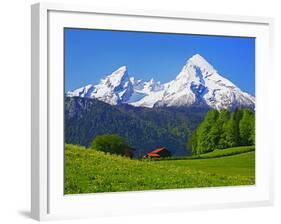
pixel 158 153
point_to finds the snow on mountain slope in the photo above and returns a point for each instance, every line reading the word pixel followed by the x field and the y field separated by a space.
pixel 82 92
pixel 113 89
pixel 198 83
pixel 146 93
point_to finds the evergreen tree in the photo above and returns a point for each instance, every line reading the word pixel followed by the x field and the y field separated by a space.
pixel 205 137
pixel 213 136
pixel 237 115
pixel 192 143
pixel 230 132
pixel 232 129
pixel 253 130
pixel 222 124
pixel 246 128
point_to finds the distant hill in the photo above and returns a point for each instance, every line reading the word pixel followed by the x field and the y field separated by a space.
pixel 144 128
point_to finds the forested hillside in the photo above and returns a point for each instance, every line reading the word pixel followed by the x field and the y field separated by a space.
pixel 144 128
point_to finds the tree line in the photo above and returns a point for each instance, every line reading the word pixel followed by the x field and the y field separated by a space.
pixel 223 129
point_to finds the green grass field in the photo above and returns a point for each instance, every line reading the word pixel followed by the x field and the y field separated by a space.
pixel 89 171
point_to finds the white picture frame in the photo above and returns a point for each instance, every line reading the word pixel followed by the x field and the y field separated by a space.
pixel 48 201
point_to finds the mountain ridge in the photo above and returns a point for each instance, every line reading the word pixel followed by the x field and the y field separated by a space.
pixel 198 83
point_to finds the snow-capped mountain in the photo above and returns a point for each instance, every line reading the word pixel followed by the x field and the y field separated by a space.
pixel 114 89
pixel 198 83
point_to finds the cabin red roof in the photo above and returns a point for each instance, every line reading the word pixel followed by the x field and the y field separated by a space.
pixel 155 151
pixel 153 155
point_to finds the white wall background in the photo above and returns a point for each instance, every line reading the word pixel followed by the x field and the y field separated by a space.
pixel 15 110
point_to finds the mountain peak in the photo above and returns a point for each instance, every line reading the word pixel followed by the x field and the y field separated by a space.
pixel 197 57
pixel 117 76
pixel 122 68
pixel 198 61
pixel 120 71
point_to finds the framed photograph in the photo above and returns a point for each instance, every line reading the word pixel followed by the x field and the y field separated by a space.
pixel 148 111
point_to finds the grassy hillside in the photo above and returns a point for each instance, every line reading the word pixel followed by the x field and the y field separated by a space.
pixel 225 152
pixel 88 171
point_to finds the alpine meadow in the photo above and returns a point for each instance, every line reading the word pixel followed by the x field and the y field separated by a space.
pixel 153 111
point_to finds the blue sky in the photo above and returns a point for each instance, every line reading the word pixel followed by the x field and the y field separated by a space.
pixel 92 54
